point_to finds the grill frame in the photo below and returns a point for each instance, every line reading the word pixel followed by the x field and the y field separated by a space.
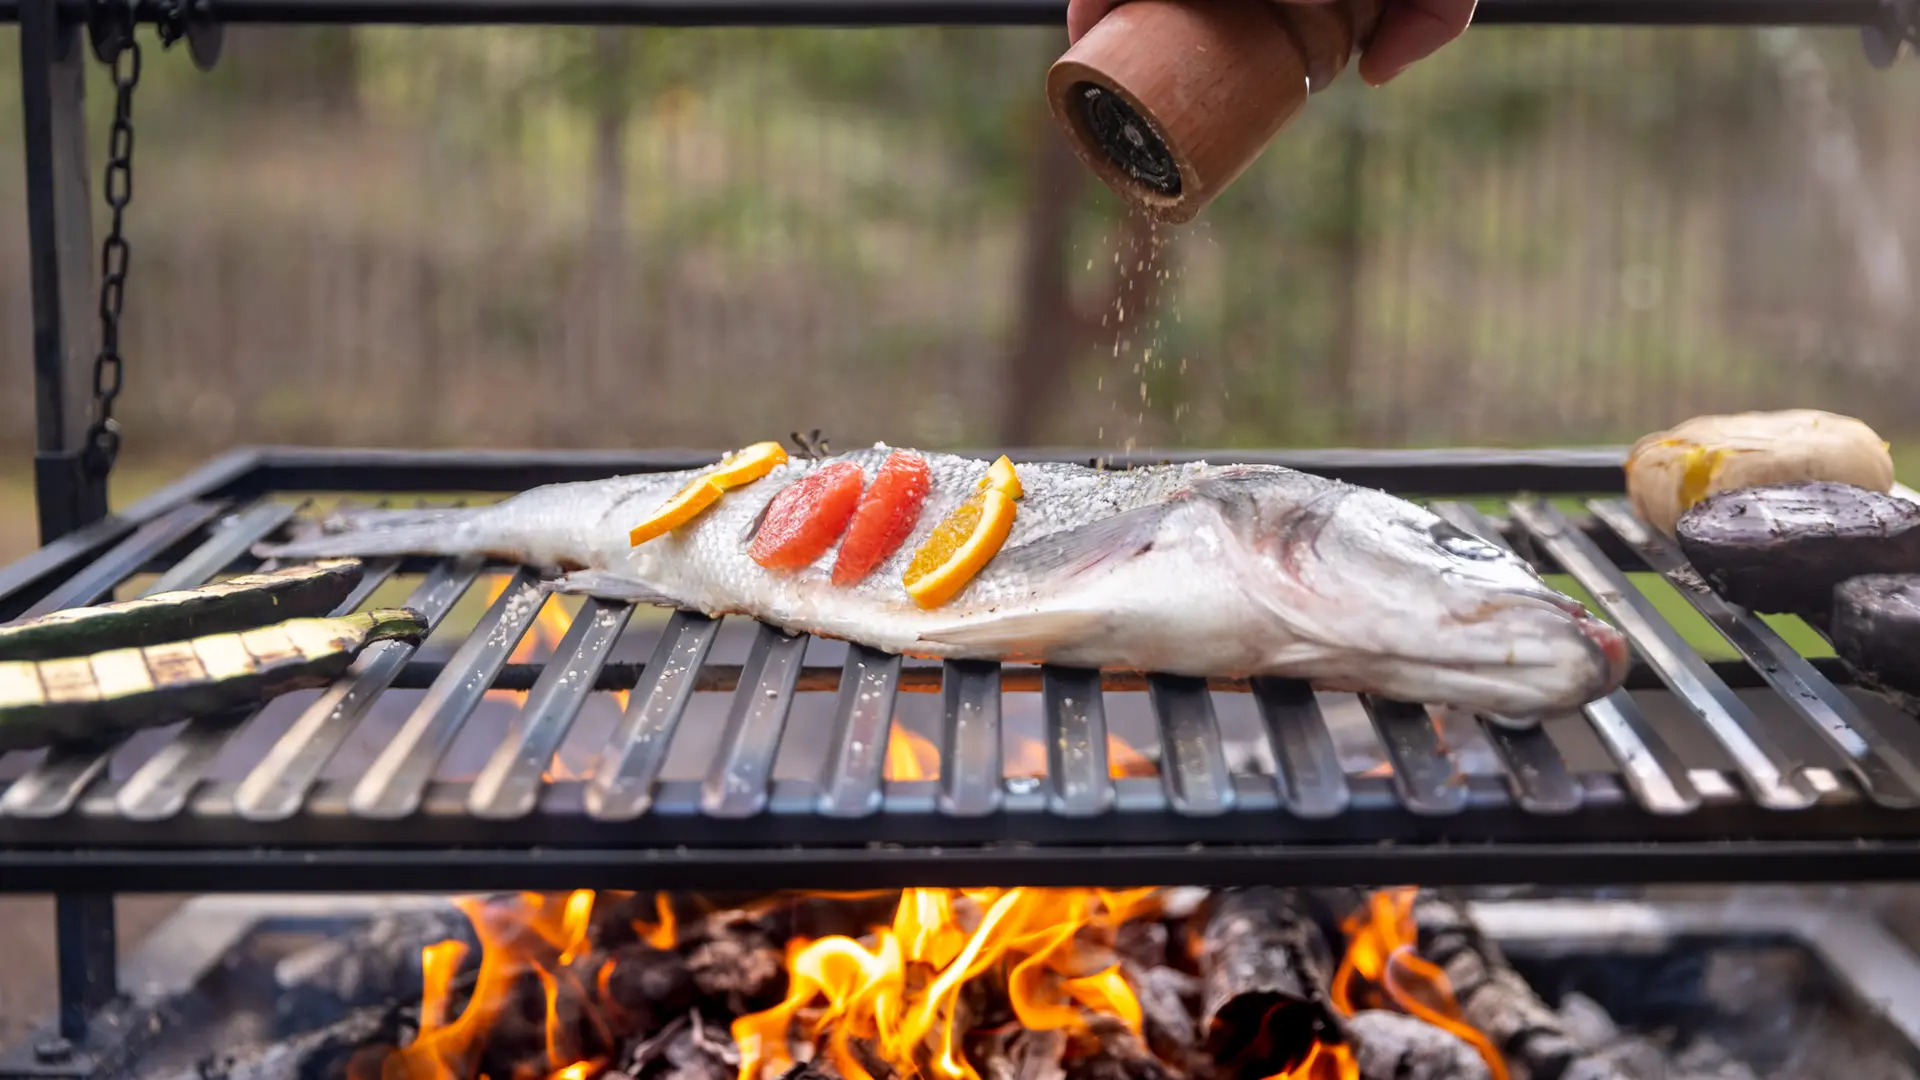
pixel 1194 824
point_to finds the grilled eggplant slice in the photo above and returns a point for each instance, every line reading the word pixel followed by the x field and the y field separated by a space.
pixel 1785 548
pixel 221 608
pixel 94 698
pixel 1876 631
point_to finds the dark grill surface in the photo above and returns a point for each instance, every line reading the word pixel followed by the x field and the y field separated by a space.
pixel 1764 768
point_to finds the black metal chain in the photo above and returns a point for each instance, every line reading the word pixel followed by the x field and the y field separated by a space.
pixel 103 436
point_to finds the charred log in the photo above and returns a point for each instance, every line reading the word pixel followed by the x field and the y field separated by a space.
pixel 1167 999
pixel 362 1035
pixel 1108 1051
pixel 1394 1046
pixel 1497 1001
pixel 692 1050
pixel 1266 966
pixel 1015 1053
pixel 374 963
pixel 737 965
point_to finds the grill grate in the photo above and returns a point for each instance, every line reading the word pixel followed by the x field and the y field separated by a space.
pixel 1762 767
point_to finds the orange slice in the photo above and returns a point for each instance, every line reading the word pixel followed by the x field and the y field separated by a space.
pixel 737 469
pixel 1001 477
pixel 960 547
pixel 744 466
pixel 686 505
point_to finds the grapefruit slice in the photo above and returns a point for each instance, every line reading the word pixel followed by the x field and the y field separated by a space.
pixel 807 517
pixel 885 518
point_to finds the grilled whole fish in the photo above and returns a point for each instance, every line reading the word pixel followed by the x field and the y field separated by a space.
pixel 1192 569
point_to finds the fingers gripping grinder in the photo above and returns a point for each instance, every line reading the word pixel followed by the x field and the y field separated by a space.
pixel 1169 101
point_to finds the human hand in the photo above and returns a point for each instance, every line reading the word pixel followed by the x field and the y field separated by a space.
pixel 1409 30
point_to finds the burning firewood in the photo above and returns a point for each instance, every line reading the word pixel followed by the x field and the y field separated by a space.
pixel 1496 1000
pixel 1266 966
pixel 334 1050
pixel 1106 1050
pixel 1395 1046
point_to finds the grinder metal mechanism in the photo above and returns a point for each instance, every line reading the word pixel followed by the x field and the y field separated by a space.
pixel 1169 101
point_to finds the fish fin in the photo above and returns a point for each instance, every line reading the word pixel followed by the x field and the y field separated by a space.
pixel 1074 551
pixel 371 533
pixel 1026 632
pixel 606 585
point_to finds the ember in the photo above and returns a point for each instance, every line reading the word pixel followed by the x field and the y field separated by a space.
pixel 936 984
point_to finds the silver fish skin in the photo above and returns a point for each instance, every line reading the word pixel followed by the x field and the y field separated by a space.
pixel 1191 569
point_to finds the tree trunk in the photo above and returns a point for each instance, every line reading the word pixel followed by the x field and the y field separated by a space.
pixel 1050 332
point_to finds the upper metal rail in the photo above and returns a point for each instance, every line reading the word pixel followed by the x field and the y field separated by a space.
pixel 1842 13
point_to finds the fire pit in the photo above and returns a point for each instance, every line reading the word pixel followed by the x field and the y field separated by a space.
pixel 1014 817
pixel 1061 983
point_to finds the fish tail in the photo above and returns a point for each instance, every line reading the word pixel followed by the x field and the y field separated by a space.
pixel 375 533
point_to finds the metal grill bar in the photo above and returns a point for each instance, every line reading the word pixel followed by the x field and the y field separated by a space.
pixel 856 766
pixel 395 783
pixel 1766 770
pixel 1423 770
pixel 1193 763
pixel 276 788
pixel 1884 771
pixel 1315 786
pixel 126 559
pixel 970 742
pixel 510 784
pixel 736 787
pixel 624 778
pixel 1078 780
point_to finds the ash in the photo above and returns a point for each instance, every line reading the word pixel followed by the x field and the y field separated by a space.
pixel 1245 984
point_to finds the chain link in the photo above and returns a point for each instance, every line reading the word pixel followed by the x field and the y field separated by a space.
pixel 103 437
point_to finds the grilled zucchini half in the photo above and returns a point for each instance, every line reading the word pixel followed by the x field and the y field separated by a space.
pixel 223 607
pixel 95 698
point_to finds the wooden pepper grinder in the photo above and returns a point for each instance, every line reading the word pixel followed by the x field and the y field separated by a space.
pixel 1169 101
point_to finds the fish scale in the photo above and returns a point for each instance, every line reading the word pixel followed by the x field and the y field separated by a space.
pixel 1188 569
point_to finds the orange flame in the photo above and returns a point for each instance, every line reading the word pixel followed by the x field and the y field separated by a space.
pixel 898 1001
pixel 531 934
pixel 1381 939
pixel 910 756
pixel 1326 1061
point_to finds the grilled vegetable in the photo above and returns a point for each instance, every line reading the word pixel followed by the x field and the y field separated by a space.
pixel 223 607
pixel 1670 471
pixel 1785 548
pixel 88 698
pixel 1876 631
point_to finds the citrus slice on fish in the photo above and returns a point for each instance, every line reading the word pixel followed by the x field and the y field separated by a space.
pixel 1000 476
pixel 807 517
pixel 885 517
pixel 686 505
pixel 735 470
pixel 966 541
pixel 746 465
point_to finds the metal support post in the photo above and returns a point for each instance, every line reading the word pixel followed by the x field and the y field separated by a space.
pixel 60 236
pixel 88 962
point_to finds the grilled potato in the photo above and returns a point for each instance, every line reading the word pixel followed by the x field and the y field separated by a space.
pixel 1669 471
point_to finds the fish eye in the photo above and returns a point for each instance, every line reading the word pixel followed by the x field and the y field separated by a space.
pixel 1458 542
